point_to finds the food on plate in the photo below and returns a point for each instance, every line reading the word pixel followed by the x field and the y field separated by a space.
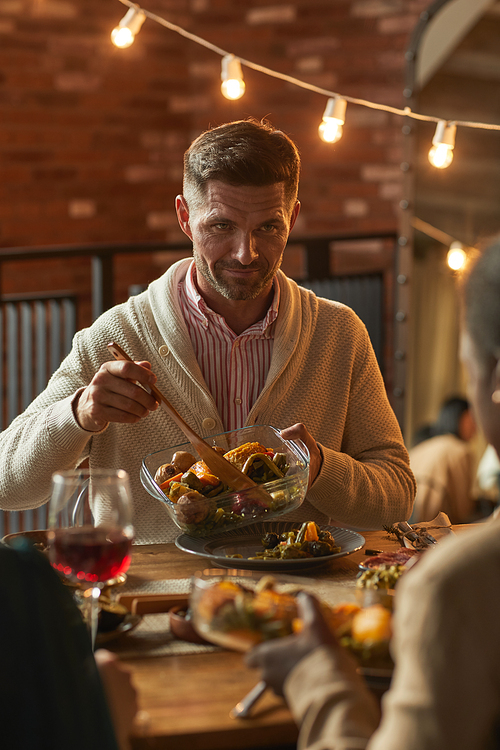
pixel 193 489
pixel 371 625
pixel 399 557
pixel 339 618
pixel 381 577
pixel 232 614
pixel 307 540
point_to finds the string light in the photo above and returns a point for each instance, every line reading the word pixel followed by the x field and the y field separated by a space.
pixel 440 155
pixel 456 257
pixel 124 34
pixel 331 129
pixel 233 85
pixel 458 254
pixel 443 143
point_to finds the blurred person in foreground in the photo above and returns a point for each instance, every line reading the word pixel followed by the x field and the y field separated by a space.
pixel 445 692
pixel 443 465
pixel 232 342
pixel 55 694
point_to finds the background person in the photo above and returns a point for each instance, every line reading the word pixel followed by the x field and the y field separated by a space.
pixel 233 342
pixel 445 692
pixel 443 465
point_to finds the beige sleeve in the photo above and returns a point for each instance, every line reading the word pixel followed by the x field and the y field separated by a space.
pixel 445 691
pixel 331 702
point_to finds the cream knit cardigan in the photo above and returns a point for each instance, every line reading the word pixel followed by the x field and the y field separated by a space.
pixel 323 373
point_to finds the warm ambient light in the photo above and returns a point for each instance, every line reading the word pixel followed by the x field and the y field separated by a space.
pixel 233 85
pixel 124 34
pixel 330 129
pixel 441 153
pixel 456 257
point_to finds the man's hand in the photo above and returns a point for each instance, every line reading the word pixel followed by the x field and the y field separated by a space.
pixel 114 395
pixel 299 431
pixel 278 657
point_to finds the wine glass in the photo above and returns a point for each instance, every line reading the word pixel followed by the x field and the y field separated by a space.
pixel 90 530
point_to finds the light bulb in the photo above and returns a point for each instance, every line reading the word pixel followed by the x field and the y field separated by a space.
pixel 443 143
pixel 233 88
pixel 441 156
pixel 233 85
pixel 456 257
pixel 330 129
pixel 124 34
pixel 122 38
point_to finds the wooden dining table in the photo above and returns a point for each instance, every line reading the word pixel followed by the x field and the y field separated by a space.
pixel 185 700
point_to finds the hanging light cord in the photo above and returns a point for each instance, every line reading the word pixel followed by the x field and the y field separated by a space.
pixel 406 112
pixel 431 231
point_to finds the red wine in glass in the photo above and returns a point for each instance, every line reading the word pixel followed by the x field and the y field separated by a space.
pixel 89 554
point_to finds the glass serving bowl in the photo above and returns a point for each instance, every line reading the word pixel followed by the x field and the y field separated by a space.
pixel 222 510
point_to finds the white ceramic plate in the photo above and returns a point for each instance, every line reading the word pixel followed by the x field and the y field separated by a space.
pixel 246 542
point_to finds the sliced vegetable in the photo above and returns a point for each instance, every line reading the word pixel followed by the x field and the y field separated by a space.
pixel 239 455
pixel 165 486
pixel 311 534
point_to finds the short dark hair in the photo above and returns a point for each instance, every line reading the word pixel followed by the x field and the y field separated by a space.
pixel 244 152
pixel 448 420
pixel 481 297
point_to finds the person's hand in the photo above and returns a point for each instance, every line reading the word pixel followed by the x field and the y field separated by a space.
pixel 120 693
pixel 114 396
pixel 299 431
pixel 278 657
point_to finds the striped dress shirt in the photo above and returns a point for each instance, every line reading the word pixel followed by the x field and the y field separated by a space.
pixel 234 367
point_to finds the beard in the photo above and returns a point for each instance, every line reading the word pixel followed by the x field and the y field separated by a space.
pixel 236 289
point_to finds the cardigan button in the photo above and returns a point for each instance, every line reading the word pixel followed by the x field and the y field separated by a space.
pixel 208 423
pixel 163 351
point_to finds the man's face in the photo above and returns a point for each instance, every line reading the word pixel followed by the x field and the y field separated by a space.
pixel 239 234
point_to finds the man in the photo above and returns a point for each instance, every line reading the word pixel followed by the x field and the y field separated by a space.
pixel 232 341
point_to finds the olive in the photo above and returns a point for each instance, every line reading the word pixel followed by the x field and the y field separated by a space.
pixel 192 481
pixel 319 549
pixel 325 536
pixel 270 540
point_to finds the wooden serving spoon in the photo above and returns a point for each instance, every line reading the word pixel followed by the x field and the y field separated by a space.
pixel 215 461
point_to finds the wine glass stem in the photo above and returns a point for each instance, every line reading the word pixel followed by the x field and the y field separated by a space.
pixel 94 614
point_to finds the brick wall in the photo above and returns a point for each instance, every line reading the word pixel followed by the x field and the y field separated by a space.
pixel 91 137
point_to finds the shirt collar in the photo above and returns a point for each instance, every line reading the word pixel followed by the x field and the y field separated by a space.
pixel 202 310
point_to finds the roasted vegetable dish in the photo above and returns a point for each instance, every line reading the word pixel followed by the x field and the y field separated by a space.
pixel 383 577
pixel 233 615
pixel 307 541
pixel 195 492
